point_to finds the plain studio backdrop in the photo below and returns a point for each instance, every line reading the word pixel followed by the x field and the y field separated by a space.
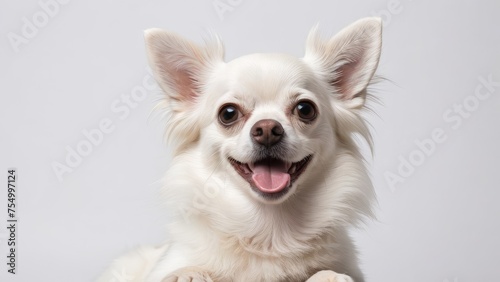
pixel 75 122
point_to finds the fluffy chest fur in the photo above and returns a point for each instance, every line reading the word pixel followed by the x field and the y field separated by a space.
pixel 221 228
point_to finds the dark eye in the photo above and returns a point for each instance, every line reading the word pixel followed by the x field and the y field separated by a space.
pixel 305 110
pixel 229 114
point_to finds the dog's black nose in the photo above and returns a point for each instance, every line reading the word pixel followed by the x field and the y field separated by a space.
pixel 267 132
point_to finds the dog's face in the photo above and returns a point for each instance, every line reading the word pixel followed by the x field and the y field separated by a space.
pixel 268 122
pixel 269 119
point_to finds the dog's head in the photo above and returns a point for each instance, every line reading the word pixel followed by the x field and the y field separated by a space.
pixel 268 121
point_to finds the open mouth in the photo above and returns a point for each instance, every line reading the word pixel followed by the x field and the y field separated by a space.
pixel 271 177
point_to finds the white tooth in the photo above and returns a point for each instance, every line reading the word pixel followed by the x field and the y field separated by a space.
pixel 250 166
pixel 292 169
pixel 246 168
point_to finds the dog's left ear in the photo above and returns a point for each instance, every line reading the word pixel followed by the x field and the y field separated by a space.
pixel 348 60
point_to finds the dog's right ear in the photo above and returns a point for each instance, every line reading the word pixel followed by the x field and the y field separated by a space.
pixel 181 68
pixel 179 65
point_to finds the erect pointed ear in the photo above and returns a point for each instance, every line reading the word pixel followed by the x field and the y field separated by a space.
pixel 179 65
pixel 181 68
pixel 349 59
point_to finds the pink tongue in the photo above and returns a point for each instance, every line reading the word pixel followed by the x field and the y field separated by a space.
pixel 270 176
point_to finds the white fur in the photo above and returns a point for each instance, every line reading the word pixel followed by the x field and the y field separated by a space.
pixel 222 229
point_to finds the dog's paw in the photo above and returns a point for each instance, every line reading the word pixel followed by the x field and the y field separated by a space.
pixel 188 274
pixel 329 276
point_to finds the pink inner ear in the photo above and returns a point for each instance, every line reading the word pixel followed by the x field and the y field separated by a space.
pixel 185 85
pixel 347 76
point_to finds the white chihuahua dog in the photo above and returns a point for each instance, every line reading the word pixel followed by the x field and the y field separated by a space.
pixel 266 177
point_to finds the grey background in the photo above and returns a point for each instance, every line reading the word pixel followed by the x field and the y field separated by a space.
pixel 440 224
